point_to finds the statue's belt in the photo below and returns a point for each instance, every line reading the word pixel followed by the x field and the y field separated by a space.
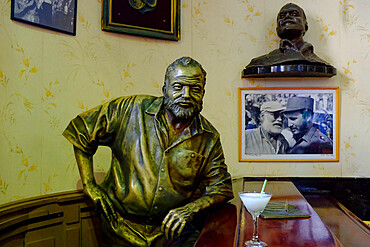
pixel 143 220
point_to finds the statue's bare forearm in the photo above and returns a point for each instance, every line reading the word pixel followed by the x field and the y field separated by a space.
pixel 85 166
pixel 91 189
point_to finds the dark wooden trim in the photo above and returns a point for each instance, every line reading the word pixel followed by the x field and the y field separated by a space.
pixel 352 216
pixel 67 196
pixel 55 220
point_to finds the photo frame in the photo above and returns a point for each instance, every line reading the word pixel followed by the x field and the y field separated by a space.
pixel 58 15
pixel 150 18
pixel 283 124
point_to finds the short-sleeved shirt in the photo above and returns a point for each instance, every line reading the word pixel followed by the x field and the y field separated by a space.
pixel 313 142
pixel 257 143
pixel 148 177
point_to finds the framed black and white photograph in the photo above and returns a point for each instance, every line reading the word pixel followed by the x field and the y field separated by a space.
pixel 57 15
pixel 279 124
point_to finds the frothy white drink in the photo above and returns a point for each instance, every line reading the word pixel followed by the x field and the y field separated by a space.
pixel 255 202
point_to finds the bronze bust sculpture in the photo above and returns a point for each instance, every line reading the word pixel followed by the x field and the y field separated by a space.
pixel 164 153
pixel 294 57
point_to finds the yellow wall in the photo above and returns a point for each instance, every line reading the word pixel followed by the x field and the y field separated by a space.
pixel 47 78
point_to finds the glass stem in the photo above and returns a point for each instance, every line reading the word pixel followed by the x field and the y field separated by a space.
pixel 255 229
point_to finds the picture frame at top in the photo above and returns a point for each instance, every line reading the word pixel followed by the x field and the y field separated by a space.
pixel 56 15
pixel 284 124
pixel 149 18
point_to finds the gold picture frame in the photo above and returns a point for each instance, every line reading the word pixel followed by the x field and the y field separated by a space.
pixel 149 18
pixel 324 119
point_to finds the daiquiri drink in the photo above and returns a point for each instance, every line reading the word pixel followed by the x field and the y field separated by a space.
pixel 255 203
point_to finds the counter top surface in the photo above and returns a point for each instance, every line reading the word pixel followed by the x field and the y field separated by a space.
pixel 232 225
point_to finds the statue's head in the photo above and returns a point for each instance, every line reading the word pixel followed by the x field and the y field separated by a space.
pixel 183 88
pixel 291 22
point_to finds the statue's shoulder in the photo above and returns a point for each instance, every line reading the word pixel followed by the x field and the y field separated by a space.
pixel 144 99
pixel 137 99
pixel 207 125
pixel 141 102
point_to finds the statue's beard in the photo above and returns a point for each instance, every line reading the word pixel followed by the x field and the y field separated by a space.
pixel 182 113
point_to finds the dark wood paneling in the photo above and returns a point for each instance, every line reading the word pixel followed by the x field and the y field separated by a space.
pixel 353 193
pixel 350 230
pixel 53 220
pixel 43 242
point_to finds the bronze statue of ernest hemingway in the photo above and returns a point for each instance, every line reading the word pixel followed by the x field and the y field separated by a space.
pixel 163 151
pixel 293 50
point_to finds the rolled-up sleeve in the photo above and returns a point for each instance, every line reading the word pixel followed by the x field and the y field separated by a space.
pixel 96 126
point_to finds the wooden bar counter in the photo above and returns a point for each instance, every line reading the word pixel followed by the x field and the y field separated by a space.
pixel 232 225
pixel 68 219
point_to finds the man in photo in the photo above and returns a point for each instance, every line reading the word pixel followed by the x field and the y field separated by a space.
pixel 26 10
pixel 44 9
pixel 63 14
pixel 267 138
pixel 252 112
pixel 307 136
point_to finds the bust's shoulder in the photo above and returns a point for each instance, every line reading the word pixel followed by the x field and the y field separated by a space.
pixel 271 58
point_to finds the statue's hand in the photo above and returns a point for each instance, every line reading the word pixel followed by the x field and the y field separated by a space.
pixel 101 201
pixel 175 221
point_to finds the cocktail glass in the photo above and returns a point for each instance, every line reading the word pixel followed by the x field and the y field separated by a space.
pixel 255 203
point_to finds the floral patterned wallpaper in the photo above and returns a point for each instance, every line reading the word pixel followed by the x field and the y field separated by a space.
pixel 47 78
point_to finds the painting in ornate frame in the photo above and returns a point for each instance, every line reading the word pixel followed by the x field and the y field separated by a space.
pixel 150 18
pixel 59 15
pixel 325 119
